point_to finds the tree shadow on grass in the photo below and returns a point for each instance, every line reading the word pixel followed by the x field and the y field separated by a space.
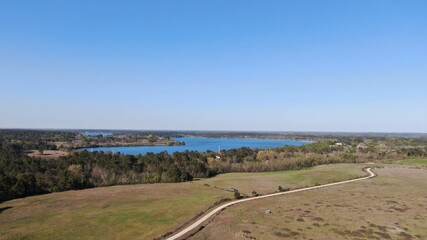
pixel 4 208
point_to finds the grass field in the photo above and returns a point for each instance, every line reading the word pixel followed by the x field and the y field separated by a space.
pixel 415 161
pixel 143 211
pixel 269 182
pixel 390 206
pixel 119 212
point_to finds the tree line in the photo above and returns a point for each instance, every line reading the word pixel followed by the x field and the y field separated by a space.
pixel 21 175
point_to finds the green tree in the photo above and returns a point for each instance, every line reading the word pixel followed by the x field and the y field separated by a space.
pixel 41 146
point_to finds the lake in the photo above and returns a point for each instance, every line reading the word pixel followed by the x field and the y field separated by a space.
pixel 202 145
pixel 92 134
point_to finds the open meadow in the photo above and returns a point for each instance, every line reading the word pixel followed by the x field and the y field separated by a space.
pixel 143 211
pixel 392 205
pixel 268 182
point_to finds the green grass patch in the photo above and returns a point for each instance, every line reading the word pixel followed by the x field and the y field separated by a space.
pixel 269 182
pixel 120 212
pixel 414 161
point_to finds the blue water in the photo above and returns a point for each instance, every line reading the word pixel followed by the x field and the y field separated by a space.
pixel 91 134
pixel 201 145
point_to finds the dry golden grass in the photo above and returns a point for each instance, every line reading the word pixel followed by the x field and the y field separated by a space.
pixel 390 206
pixel 47 154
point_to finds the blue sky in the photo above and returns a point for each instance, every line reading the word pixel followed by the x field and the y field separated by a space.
pixel 214 65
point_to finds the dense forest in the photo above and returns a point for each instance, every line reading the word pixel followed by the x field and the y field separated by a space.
pixel 21 175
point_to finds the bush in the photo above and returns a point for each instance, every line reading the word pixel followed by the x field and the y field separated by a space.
pixel 237 195
pixel 283 189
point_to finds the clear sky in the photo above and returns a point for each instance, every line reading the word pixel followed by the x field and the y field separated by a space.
pixel 214 65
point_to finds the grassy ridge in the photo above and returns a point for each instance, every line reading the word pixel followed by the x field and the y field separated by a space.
pixel 269 182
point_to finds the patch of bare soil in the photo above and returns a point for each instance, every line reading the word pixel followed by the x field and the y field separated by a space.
pixel 47 154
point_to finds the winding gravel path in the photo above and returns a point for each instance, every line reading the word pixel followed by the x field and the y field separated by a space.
pixel 216 210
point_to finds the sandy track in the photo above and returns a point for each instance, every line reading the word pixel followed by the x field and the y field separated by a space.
pixel 222 207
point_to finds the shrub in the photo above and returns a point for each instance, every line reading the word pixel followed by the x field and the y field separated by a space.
pixel 283 189
pixel 237 195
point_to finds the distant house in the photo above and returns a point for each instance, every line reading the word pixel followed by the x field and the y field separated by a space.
pixel 338 144
pixel 219 152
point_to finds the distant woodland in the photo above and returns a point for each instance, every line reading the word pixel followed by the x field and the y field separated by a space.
pixel 22 175
pixel 66 141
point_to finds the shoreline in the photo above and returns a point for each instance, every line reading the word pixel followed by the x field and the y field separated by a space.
pixel 199 147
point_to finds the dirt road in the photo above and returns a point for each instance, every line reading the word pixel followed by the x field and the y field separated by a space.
pixel 220 208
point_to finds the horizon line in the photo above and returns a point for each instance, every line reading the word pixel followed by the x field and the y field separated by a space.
pixel 181 130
